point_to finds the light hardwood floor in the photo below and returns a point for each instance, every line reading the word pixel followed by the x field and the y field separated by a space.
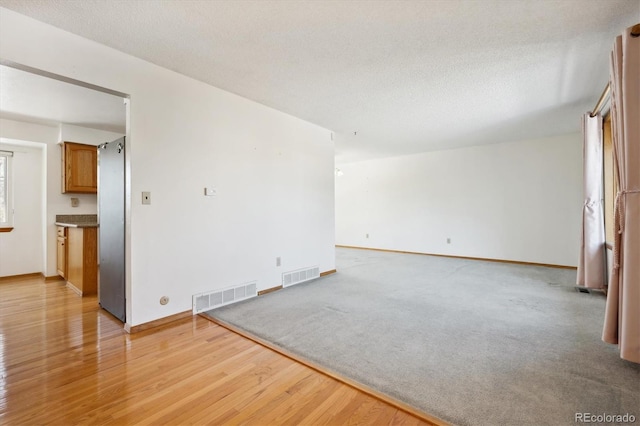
pixel 65 361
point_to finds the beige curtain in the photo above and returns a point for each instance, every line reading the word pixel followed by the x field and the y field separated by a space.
pixel 622 317
pixel 592 262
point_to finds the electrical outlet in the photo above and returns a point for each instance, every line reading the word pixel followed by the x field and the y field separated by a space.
pixel 75 202
pixel 146 198
pixel 367 235
pixel 278 261
pixel 448 240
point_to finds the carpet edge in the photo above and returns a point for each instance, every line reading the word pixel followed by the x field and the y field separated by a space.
pixel 428 418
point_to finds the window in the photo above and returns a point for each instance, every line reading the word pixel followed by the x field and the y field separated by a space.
pixel 6 211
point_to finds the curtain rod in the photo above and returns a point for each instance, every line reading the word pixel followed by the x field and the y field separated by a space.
pixel 601 101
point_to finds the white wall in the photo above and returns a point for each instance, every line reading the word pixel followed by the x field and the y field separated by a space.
pixel 21 132
pixel 514 201
pixel 21 249
pixel 85 135
pixel 273 172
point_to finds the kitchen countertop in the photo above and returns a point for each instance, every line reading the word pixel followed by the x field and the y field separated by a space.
pixel 77 220
pixel 78 224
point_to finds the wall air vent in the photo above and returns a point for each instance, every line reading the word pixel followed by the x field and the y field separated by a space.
pixel 214 299
pixel 300 275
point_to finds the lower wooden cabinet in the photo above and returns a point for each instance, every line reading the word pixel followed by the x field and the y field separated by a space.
pixel 82 259
pixel 78 258
pixel 62 252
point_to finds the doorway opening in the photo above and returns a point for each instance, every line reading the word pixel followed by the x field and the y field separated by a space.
pixel 48 109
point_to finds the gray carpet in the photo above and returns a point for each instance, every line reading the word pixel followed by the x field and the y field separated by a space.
pixel 470 342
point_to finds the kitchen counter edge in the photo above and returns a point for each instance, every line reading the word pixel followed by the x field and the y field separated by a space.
pixel 78 225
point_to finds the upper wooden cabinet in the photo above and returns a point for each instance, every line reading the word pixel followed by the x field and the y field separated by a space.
pixel 79 168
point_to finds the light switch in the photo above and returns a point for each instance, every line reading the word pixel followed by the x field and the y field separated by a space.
pixel 146 198
pixel 75 202
pixel 210 192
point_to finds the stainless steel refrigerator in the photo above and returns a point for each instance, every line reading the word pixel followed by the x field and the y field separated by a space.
pixel 111 215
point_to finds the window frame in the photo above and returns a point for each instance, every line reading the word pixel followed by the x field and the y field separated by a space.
pixel 7 225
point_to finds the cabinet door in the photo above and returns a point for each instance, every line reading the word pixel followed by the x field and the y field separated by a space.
pixel 80 168
pixel 62 257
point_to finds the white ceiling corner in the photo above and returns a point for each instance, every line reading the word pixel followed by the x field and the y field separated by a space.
pixel 408 76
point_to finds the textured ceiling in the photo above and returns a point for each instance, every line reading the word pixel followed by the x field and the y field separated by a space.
pixel 407 76
pixel 29 97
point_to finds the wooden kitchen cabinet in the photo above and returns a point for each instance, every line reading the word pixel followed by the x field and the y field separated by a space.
pixel 62 252
pixel 82 260
pixel 79 168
